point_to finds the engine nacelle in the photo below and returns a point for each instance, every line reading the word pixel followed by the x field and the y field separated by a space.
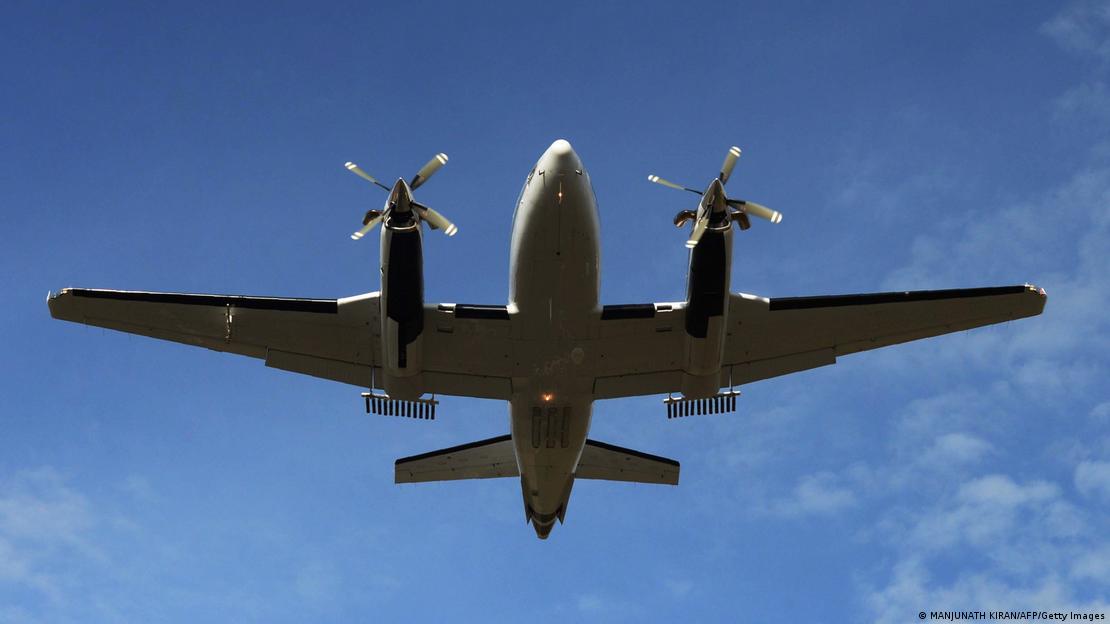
pixel 707 312
pixel 402 310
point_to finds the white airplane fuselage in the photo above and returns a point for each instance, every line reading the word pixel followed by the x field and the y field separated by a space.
pixel 553 299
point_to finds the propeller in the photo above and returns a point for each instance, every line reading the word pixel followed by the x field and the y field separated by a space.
pixel 667 183
pixel 428 170
pixel 714 202
pixel 756 210
pixel 403 190
pixel 730 162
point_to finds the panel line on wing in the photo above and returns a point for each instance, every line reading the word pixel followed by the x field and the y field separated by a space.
pixel 832 301
pixel 319 306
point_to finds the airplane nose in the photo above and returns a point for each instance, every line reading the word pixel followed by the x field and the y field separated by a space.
pixel 543 530
pixel 560 147
pixel 560 157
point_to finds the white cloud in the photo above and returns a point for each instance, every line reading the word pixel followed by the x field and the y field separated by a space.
pixel 595 604
pixel 591 603
pixel 1094 565
pixel 16 615
pixel 41 517
pixel 999 540
pixel 317 582
pixel 1092 478
pixel 912 589
pixel 1086 103
pixel 1084 27
pixel 983 513
pixel 956 448
pixel 37 506
pixel 1019 544
pixel 820 493
pixel 1101 412
pixel 1001 491
pixel 17 568
pixel 679 588
pixel 139 487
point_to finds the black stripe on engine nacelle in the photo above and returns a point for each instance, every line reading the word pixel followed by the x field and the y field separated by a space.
pixel 706 290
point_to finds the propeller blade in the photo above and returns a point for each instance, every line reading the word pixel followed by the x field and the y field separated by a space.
pixel 699 228
pixel 756 210
pixel 730 162
pixel 428 170
pixel 656 179
pixel 355 169
pixel 366 228
pixel 436 220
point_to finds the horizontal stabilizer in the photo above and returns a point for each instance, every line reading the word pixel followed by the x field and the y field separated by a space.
pixel 484 459
pixel 613 463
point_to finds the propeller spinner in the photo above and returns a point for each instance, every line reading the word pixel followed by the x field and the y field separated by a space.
pixel 712 212
pixel 401 201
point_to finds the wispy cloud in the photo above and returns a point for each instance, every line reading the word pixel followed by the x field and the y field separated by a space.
pixel 820 493
pixel 37 506
pixel 1031 538
pixel 1101 412
pixel 42 518
pixel 317 582
pixel 1087 103
pixel 1093 565
pixel 956 448
pixel 996 539
pixel 140 488
pixel 591 603
pixel 597 604
pixel 678 588
pixel 1092 478
pixel 1083 27
pixel 912 588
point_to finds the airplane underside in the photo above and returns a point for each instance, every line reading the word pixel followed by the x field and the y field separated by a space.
pixel 552 349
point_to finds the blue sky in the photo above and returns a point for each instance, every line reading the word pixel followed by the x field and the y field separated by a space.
pixel 200 149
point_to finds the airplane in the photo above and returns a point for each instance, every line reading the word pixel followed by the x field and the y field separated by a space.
pixel 553 349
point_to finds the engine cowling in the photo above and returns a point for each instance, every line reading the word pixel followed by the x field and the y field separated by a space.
pixel 402 313
pixel 707 312
pixel 707 294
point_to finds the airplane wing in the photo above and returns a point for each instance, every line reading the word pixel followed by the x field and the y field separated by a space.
pixel 640 347
pixel 335 339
